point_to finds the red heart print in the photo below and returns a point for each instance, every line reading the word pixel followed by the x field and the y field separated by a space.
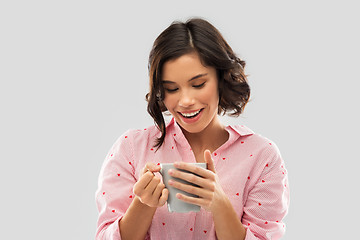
pixel 191 229
pixel 125 136
pixel 262 180
pixel 118 174
pixel 237 194
pixel 249 177
pixel 224 158
pixel 205 231
pixel 130 196
pixel 174 134
pixel 251 155
pixel 172 147
pixel 113 210
pixel 266 222
pixel 111 155
pixel 103 193
pixel 277 221
pixel 163 224
pixel 266 165
pixel 259 204
pixel 215 154
pixel 270 143
pixel 248 224
pixel 151 149
pixel 144 129
pixel 158 164
pixel 241 142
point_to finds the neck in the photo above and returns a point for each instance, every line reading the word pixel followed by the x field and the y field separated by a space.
pixel 212 137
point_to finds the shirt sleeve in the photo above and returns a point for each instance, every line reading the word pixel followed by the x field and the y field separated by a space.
pixel 268 201
pixel 115 188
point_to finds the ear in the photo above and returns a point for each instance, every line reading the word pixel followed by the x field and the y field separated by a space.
pixel 209 160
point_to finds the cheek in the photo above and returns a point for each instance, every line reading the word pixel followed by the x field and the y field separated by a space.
pixel 169 102
pixel 210 96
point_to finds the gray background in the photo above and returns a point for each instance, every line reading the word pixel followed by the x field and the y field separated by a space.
pixel 74 76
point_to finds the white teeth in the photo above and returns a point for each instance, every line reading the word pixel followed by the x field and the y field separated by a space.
pixel 190 114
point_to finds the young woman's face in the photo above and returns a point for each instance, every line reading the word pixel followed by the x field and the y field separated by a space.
pixel 191 92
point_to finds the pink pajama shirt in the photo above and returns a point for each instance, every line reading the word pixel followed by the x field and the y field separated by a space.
pixel 251 172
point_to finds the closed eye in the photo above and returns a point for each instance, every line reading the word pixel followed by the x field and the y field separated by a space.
pixel 199 86
pixel 171 90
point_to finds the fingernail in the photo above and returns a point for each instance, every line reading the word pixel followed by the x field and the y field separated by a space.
pixel 171 172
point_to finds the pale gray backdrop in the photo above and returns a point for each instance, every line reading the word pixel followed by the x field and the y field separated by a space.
pixel 74 78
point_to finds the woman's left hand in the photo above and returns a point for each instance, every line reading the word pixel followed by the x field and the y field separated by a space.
pixel 211 195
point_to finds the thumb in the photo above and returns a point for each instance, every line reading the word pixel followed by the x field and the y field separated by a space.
pixel 152 167
pixel 209 160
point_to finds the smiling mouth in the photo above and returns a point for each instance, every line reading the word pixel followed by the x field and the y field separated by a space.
pixel 191 115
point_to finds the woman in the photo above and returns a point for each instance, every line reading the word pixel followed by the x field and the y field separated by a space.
pixel 243 193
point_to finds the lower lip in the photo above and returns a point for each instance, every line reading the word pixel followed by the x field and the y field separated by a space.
pixel 191 120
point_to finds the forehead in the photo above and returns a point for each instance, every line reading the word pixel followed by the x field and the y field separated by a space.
pixel 185 67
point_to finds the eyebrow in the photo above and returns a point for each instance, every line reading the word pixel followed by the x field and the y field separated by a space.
pixel 193 78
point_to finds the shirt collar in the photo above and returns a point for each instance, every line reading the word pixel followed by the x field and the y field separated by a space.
pixel 174 132
pixel 241 130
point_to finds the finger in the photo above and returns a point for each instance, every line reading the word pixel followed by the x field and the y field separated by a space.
pixel 158 190
pixel 143 182
pixel 192 178
pixel 150 188
pixel 164 197
pixel 209 160
pixel 202 172
pixel 197 201
pixel 152 167
pixel 201 192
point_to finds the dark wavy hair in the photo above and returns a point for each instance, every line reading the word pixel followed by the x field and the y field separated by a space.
pixel 196 35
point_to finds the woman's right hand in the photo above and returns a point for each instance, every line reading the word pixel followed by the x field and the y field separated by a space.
pixel 149 188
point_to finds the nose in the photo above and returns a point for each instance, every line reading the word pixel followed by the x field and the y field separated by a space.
pixel 186 99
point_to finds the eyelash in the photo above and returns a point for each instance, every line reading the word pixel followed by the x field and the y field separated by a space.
pixel 195 86
pixel 171 90
pixel 199 86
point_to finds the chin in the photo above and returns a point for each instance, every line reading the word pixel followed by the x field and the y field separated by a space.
pixel 192 129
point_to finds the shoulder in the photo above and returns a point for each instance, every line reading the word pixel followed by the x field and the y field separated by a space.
pixel 255 141
pixel 264 154
pixel 138 137
pixel 132 139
